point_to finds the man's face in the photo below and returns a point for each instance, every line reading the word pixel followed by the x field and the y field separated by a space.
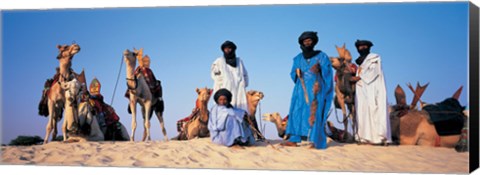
pixel 222 100
pixel 362 47
pixel 227 50
pixel 307 42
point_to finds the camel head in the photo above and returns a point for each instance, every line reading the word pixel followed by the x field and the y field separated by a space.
pixel 336 62
pixel 203 94
pixel 272 117
pixel 253 97
pixel 130 57
pixel 67 51
pixel 344 53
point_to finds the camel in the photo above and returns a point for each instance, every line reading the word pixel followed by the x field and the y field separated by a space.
pixel 253 98
pixel 415 127
pixel 56 96
pixel 195 125
pixel 280 123
pixel 345 87
pixel 140 93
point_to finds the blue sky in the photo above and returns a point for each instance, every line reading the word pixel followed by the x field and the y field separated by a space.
pixel 415 44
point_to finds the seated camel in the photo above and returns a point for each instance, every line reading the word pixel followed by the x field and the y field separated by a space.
pixel 281 125
pixel 436 125
pixel 253 98
pixel 85 120
pixel 195 125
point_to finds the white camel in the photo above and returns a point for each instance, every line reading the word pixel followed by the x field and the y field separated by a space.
pixel 140 93
pixel 56 96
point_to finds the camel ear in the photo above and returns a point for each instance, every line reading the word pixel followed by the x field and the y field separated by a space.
pixel 197 90
pixel 400 96
pixel 59 46
pixel 457 93
pixel 343 45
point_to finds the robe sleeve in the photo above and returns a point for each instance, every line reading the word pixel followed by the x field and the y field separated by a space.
pixel 245 74
pixel 293 73
pixel 372 72
pixel 215 72
pixel 327 74
pixel 217 118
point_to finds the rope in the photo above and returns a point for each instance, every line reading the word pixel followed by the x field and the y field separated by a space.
pixel 116 83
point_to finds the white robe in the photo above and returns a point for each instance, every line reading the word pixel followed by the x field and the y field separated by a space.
pixel 234 79
pixel 371 102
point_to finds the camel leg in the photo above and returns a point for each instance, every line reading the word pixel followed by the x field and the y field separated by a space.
pixel 352 115
pixel 64 129
pixel 48 129
pixel 162 125
pixel 148 105
pixel 341 102
pixel 144 128
pixel 133 108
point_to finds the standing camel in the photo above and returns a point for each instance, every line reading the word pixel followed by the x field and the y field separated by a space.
pixel 195 125
pixel 345 87
pixel 140 93
pixel 56 96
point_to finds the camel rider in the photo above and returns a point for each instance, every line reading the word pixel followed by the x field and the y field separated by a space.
pixel 144 69
pixel 106 116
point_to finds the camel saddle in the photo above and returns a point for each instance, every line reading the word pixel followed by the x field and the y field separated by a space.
pixel 447 116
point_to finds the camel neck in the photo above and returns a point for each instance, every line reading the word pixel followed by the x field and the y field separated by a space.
pixel 130 71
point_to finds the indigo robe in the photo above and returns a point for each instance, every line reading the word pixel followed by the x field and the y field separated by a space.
pixel 299 112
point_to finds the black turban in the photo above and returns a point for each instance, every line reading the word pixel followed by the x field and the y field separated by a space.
pixel 308 34
pixel 363 42
pixel 223 92
pixel 229 44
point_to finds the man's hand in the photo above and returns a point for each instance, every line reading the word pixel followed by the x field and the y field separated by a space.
pixel 315 68
pixel 355 79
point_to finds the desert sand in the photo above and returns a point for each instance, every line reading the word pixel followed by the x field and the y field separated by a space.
pixel 201 153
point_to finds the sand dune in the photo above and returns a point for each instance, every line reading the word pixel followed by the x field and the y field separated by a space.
pixel 201 153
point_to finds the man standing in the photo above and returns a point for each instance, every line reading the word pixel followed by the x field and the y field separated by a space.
pixel 312 94
pixel 370 97
pixel 229 72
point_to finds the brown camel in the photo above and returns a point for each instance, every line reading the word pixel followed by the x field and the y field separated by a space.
pixel 196 124
pixel 140 93
pixel 345 86
pixel 280 124
pixel 416 127
pixel 56 94
pixel 253 98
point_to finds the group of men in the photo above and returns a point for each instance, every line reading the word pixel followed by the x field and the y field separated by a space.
pixel 312 74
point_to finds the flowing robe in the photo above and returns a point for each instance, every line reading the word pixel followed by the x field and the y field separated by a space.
pixel 299 112
pixel 371 102
pixel 234 79
pixel 227 126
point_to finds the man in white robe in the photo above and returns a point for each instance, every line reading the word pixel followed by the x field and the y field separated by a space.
pixel 371 98
pixel 229 72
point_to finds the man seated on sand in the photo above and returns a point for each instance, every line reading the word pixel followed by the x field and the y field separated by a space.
pixel 228 125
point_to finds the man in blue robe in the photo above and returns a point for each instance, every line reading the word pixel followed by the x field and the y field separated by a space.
pixel 228 125
pixel 309 68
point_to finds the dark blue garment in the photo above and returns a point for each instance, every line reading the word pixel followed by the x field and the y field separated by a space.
pixel 299 112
